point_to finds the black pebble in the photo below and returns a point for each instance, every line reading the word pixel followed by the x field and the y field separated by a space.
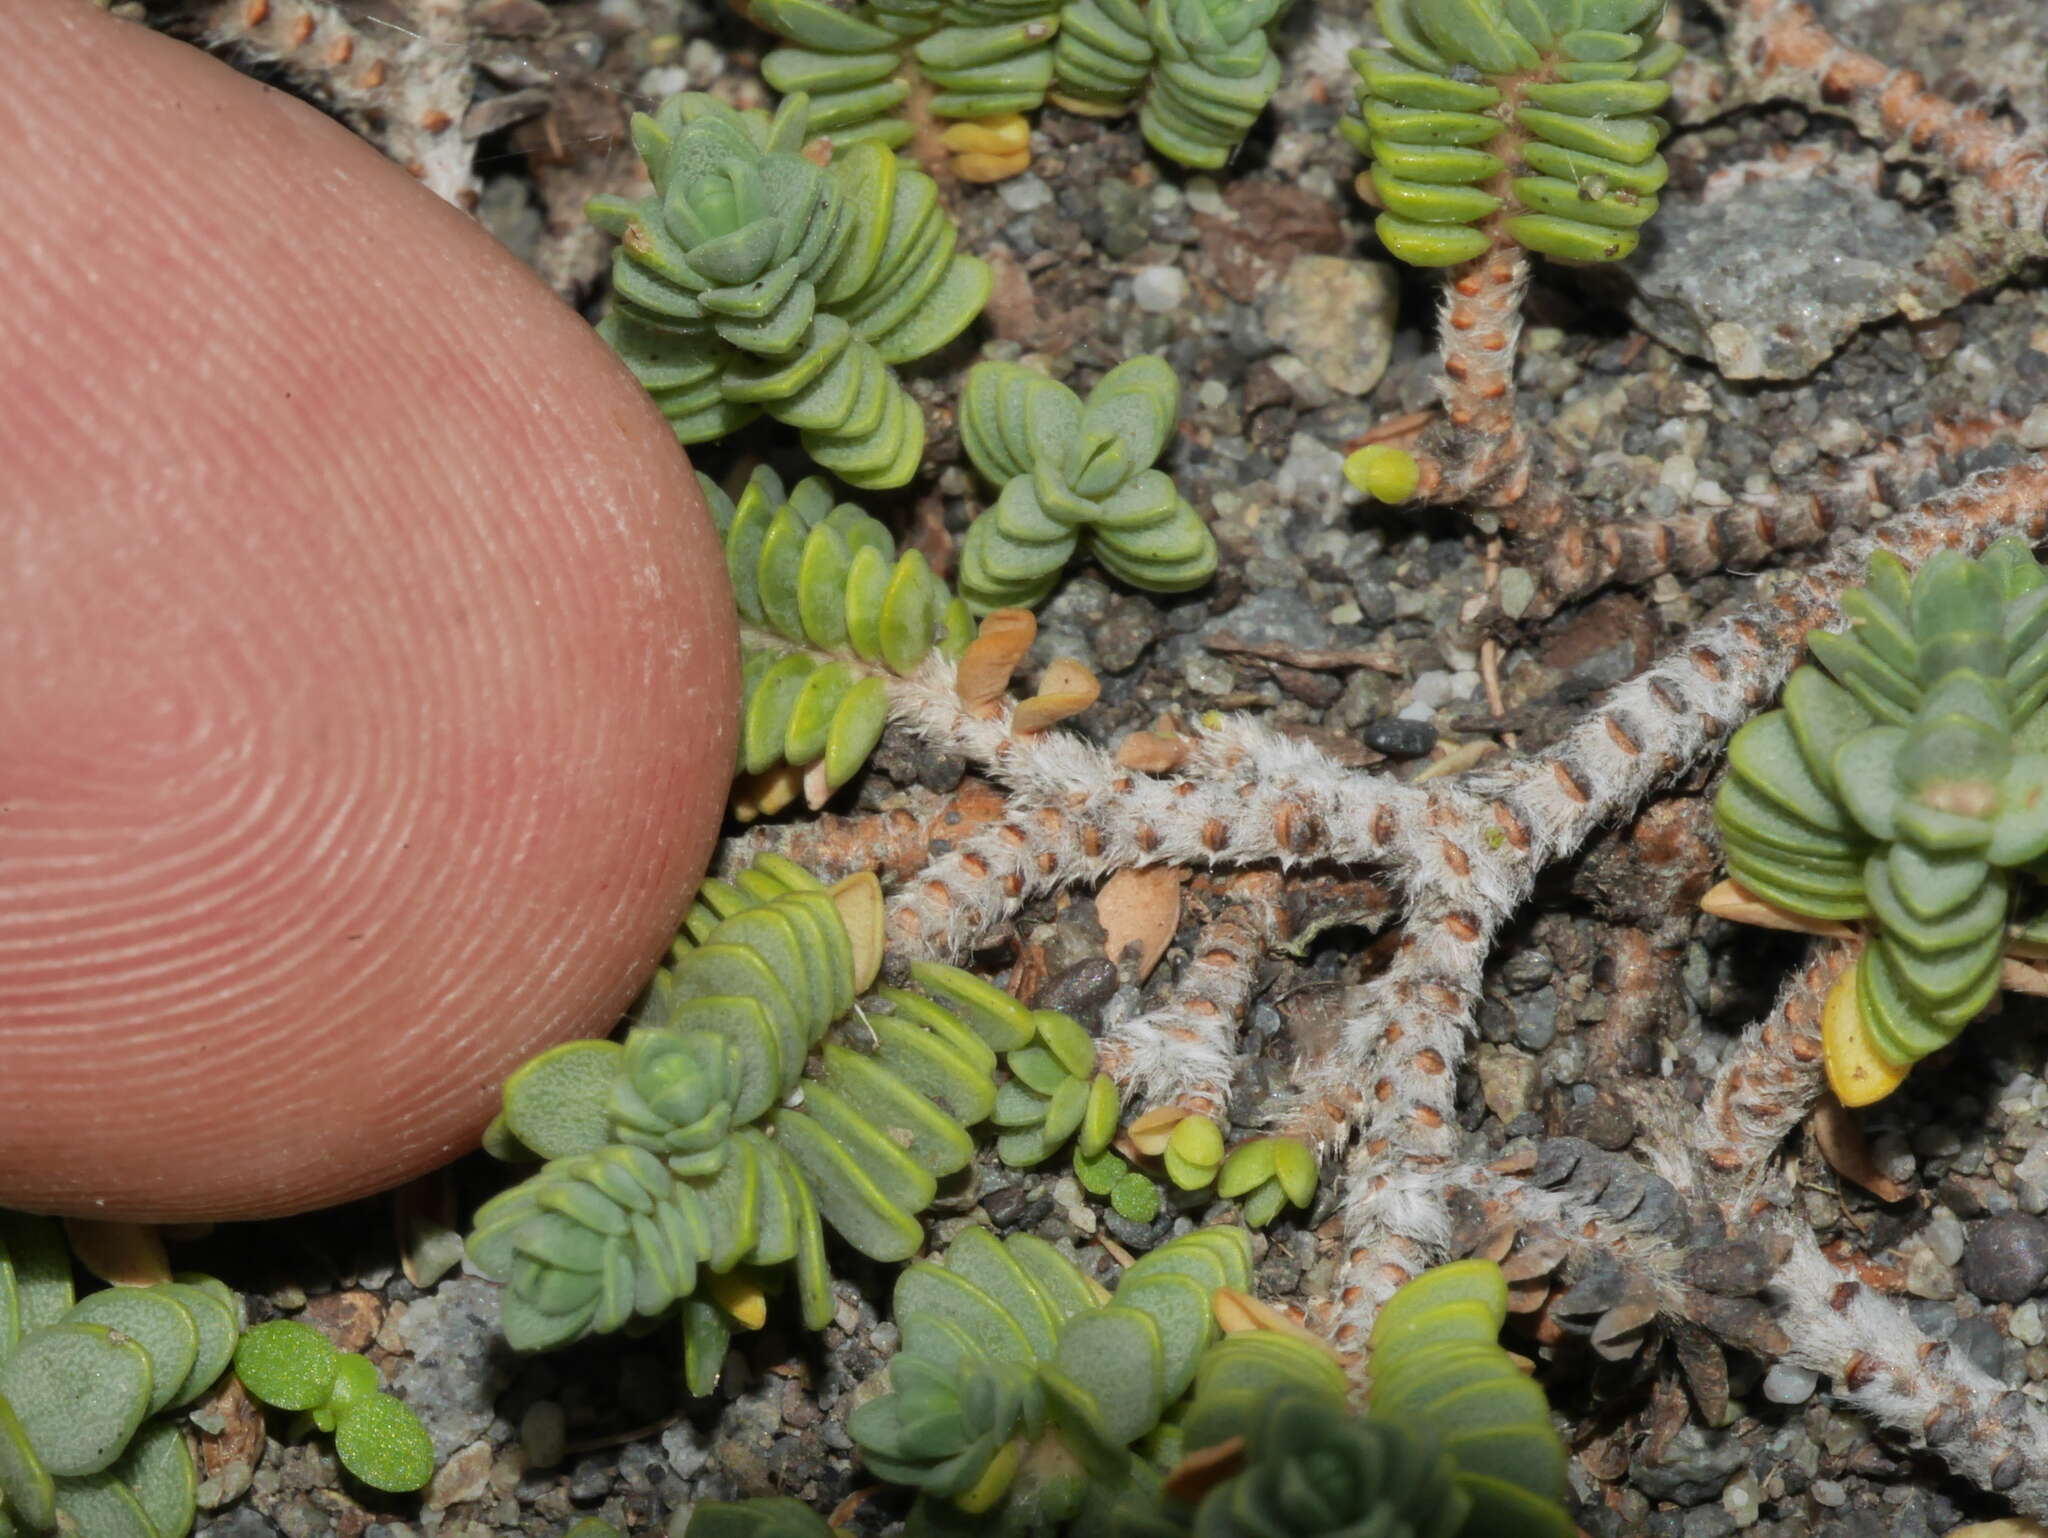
pixel 1398 737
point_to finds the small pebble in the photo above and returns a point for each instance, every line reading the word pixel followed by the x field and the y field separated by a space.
pixel 2006 1259
pixel 1828 1493
pixel 1024 193
pixel 1159 289
pixel 1400 738
pixel 2026 1325
pixel 1786 1384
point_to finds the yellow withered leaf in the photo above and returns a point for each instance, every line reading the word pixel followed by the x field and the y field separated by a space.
pixel 125 1254
pixel 1857 1072
pixel 863 912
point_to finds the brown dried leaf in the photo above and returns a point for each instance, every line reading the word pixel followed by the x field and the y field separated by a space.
pixel 1150 1132
pixel 1705 1368
pixel 1528 1297
pixel 1067 689
pixel 1620 1331
pixel 125 1254
pixel 1239 1311
pixel 1151 752
pixel 1141 908
pixel 2019 976
pixel 1732 901
pixel 991 658
pixel 1839 1136
pixel 1539 1255
pixel 227 1456
pixel 1203 1469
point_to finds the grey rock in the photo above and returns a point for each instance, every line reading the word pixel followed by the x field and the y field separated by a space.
pixel 239 1521
pixel 450 1378
pixel 1725 282
pixel 1081 989
pixel 1695 1466
pixel 1536 1019
pixel 1979 1339
pixel 1336 314
pixel 591 1482
pixel 2006 1259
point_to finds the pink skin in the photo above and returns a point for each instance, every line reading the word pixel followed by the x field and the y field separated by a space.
pixel 368 673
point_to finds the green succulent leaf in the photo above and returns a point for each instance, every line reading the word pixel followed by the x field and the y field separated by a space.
pixel 80 1392
pixel 382 1442
pixel 287 1365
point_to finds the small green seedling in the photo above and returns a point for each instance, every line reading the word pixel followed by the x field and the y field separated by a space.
pixel 1053 1094
pixel 292 1366
pixel 1132 1196
pixel 1266 1175
pixel 754 279
pixel 1525 121
pixel 1068 472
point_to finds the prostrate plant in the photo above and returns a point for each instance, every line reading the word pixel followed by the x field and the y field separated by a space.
pixel 1024 1396
pixel 1199 71
pixel 1067 471
pixel 828 610
pixel 754 279
pixel 84 1384
pixel 292 1366
pixel 692 1165
pixel 1533 119
pixel 1495 126
pixel 1903 786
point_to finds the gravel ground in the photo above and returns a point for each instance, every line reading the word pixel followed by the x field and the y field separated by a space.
pixel 1751 341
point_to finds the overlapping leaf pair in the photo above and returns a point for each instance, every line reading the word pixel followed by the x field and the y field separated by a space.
pixel 292 1366
pixel 684 1166
pixel 829 602
pixel 81 1382
pixel 1021 1386
pixel 1068 472
pixel 1904 784
pixel 1533 117
pixel 754 279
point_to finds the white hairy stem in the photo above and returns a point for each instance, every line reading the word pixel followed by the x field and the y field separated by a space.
pixel 1184 1052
